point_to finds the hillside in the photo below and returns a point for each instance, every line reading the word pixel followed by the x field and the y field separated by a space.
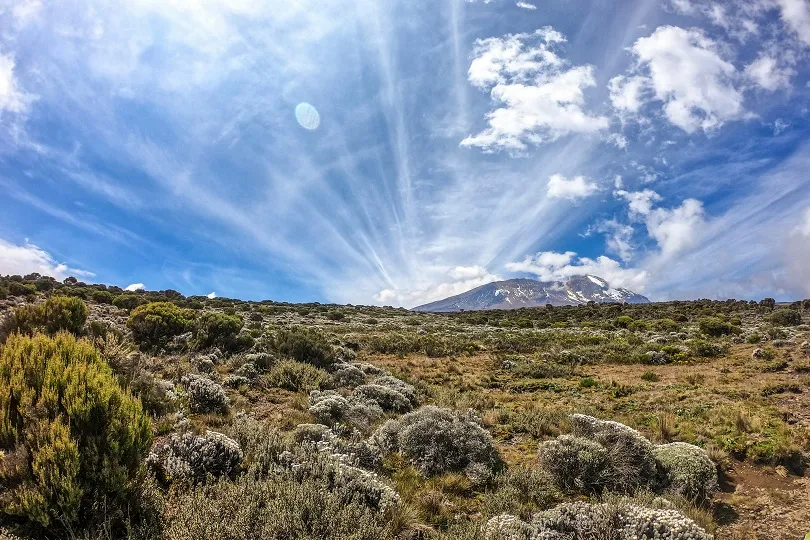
pixel 523 293
pixel 272 420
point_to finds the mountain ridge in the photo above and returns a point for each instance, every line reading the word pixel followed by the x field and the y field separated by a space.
pixel 523 292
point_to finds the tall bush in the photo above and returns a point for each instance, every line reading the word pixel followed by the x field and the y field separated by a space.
pixel 70 436
pixel 154 324
pixel 54 315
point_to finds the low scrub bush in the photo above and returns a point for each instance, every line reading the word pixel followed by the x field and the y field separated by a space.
pixel 188 458
pixel 686 469
pixel 154 324
pixel 712 326
pixel 69 436
pixel 296 376
pixel 56 314
pixel 204 395
pixel 304 345
pixel 785 317
pixel 439 440
pixel 213 329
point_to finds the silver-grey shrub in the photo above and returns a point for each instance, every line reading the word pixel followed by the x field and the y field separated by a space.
pixel 576 463
pixel 687 469
pixel 631 454
pixel 189 458
pixel 330 407
pixel 400 386
pixel 437 440
pixel 204 395
pixel 347 375
pixel 386 397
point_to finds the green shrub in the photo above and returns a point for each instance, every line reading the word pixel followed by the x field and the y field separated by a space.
pixel 21 289
pixel 686 469
pixel 712 326
pixel 154 324
pixel 650 376
pixel 785 317
pixel 304 345
pixel 75 436
pixel 296 376
pixel 623 322
pixel 217 330
pixel 54 315
pixel 127 301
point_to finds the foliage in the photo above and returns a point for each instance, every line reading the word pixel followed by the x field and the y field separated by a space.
pixel 56 314
pixel 437 440
pixel 296 376
pixel 189 458
pixel 785 317
pixel 155 323
pixel 304 345
pixel 687 469
pixel 71 435
pixel 127 301
pixel 213 329
pixel 712 326
pixel 205 395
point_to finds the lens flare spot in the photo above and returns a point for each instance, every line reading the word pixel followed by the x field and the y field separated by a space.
pixel 307 116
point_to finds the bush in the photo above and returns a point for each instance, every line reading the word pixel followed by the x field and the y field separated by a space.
pixel 387 398
pixel 712 326
pixel 154 324
pixel 686 469
pixel 56 314
pixel 632 463
pixel 330 408
pixel 576 463
pixel 127 301
pixel 189 458
pixel 296 376
pixel 217 330
pixel 586 521
pixel 347 375
pixel 439 440
pixel 83 441
pixel 204 395
pixel 785 317
pixel 304 345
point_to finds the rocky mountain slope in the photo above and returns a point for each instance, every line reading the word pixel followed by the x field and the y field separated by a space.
pixel 521 293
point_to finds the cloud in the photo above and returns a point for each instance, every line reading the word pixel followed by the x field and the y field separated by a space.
pixel 678 228
pixel 554 266
pixel 135 287
pixel 618 238
pixel 537 96
pixel 525 5
pixel 685 71
pixel 796 15
pixel 462 279
pixel 640 202
pixel 766 73
pixel 560 187
pixel 12 98
pixel 779 126
pixel 28 258
pixel 211 295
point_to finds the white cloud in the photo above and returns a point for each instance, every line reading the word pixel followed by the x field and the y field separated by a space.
pixel 525 5
pixel 28 258
pixel 618 140
pixel 554 266
pixel 678 228
pixel 796 15
pixel 12 98
pixel 686 72
pixel 618 238
pixel 211 295
pixel 537 95
pixel 640 202
pixel 779 126
pixel 135 287
pixel 626 93
pixel 560 187
pixel 766 73
pixel 462 279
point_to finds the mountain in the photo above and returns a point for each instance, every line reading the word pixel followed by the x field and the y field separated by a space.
pixel 521 293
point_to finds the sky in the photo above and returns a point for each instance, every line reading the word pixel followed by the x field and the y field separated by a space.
pixel 399 152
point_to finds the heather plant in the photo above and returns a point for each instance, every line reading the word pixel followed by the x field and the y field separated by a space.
pixel 213 329
pixel 188 458
pixel 296 376
pixel 712 326
pixel 56 314
pixel 155 323
pixel 437 440
pixel 69 435
pixel 686 469
pixel 785 317
pixel 204 395
pixel 576 463
pixel 304 345
pixel 127 301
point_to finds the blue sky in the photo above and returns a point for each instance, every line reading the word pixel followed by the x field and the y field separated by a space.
pixel 661 145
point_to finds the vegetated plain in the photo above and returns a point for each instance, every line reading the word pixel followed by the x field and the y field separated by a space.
pixel 154 415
